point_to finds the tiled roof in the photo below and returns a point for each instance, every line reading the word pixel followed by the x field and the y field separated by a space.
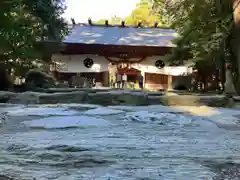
pixel 128 36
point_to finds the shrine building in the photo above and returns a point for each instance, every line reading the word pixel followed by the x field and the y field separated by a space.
pixel 102 51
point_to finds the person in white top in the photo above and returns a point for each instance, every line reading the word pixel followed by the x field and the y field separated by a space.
pixel 124 80
pixel 119 80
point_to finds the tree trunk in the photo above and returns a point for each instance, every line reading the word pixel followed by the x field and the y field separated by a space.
pixel 229 86
pixel 233 45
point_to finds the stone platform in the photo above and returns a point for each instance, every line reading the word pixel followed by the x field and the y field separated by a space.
pixel 107 97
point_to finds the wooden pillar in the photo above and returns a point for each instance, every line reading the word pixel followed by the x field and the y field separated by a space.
pixel 144 79
pixel 169 82
pixel 143 74
pixel 106 78
pixel 112 75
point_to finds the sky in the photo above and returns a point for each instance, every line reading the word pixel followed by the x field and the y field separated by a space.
pixel 81 10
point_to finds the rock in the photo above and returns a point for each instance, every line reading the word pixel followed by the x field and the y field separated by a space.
pixel 25 98
pixel 236 98
pixel 103 111
pixel 61 90
pixel 3 177
pixel 215 100
pixel 155 93
pixel 155 100
pixel 80 108
pixel 118 98
pixel 66 122
pixel 223 170
pixel 65 90
pixel 70 97
pixel 5 96
pixel 104 99
pixel 111 98
pixel 2 119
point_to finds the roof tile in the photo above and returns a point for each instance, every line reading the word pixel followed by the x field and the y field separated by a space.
pixel 128 36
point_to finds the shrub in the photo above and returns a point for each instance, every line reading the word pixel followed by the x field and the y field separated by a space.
pixel 6 83
pixel 35 78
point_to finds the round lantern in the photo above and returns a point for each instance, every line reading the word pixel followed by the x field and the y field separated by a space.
pixel 159 64
pixel 88 62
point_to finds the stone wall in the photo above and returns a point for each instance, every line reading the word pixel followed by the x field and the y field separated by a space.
pixel 112 97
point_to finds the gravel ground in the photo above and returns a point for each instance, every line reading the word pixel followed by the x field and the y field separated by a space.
pixel 132 145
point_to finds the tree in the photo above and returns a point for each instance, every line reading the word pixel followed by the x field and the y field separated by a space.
pixel 206 29
pixel 116 20
pixel 159 8
pixel 143 13
pixel 234 43
pixel 100 21
pixel 26 22
pixel 113 21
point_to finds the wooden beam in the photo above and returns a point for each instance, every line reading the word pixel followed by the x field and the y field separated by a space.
pixel 115 50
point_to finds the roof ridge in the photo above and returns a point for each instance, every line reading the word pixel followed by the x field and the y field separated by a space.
pixel 120 26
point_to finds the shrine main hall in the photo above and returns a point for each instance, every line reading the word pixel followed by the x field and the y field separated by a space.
pixel 101 51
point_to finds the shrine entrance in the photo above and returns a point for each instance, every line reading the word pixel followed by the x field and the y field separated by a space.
pixel 132 73
pixel 124 65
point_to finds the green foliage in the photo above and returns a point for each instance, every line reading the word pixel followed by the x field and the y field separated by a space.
pixel 24 23
pixel 159 8
pixel 143 13
pixel 113 21
pixel 5 80
pixel 100 22
pixel 36 78
pixel 209 36
pixel 203 26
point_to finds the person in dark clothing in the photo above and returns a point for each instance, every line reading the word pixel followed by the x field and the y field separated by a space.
pixel 140 81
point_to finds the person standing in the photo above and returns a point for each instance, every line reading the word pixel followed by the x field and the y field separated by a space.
pixel 119 80
pixel 140 81
pixel 94 82
pixel 124 80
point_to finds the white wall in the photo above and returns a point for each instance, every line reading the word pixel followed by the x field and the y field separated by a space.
pixel 74 64
pixel 148 66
